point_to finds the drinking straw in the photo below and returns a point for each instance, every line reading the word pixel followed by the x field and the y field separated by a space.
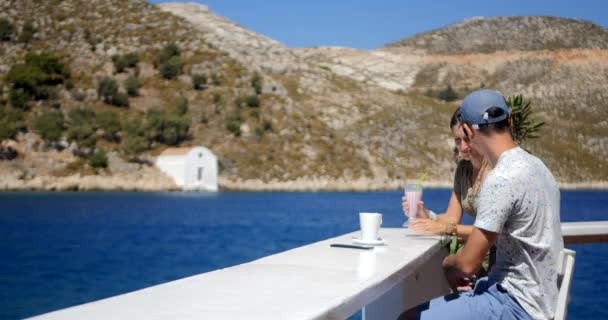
pixel 420 180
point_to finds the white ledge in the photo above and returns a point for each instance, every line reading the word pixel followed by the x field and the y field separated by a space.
pixel 310 282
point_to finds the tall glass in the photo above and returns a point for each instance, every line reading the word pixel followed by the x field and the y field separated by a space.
pixel 413 194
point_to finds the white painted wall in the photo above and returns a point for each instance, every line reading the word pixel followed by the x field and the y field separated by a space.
pixel 195 170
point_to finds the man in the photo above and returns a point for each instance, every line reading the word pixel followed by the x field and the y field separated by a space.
pixel 519 210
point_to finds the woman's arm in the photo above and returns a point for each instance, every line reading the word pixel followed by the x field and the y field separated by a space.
pixel 454 212
pixel 442 225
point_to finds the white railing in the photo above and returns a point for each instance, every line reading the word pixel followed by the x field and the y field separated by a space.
pixel 310 282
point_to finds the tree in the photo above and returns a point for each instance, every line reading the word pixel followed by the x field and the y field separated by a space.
pixel 171 68
pixel 82 127
pixel 36 78
pixel 131 59
pixel 18 98
pixel 168 62
pixel 170 129
pixel 11 122
pixel 26 77
pixel 132 86
pixel 6 30
pixel 135 140
pixel 524 127
pixel 121 62
pixel 107 89
pixel 109 122
pixel 49 125
pixel 50 64
pixel 169 51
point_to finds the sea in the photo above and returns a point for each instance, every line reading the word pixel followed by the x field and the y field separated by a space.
pixel 63 249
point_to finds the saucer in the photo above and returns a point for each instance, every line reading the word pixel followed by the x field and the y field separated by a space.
pixel 377 242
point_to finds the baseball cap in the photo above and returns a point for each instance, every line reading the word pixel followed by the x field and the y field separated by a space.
pixel 475 108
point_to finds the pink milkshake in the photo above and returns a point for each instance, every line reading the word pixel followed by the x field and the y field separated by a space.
pixel 413 193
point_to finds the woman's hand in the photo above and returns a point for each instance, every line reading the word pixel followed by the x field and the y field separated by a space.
pixel 422 211
pixel 427 226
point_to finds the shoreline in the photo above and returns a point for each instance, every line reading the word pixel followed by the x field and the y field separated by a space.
pixel 141 183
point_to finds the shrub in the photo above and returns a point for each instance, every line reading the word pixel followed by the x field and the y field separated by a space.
pixel 267 125
pixel 252 101
pixel 35 79
pixel 26 77
pixel 19 98
pixel 170 129
pixel 168 52
pixel 119 63
pixel 6 30
pixel 171 68
pixel 216 80
pixel 128 60
pixel 46 93
pixel 132 86
pixel 11 122
pixel 524 127
pixel 257 83
pixel 233 124
pixel 448 94
pixel 234 127
pixel 27 32
pixel 135 140
pixel 91 39
pixel 107 89
pixel 99 159
pixel 182 106
pixel 131 59
pixel 49 125
pixel 121 99
pixel 50 64
pixel 109 122
pixel 199 81
pixel 82 127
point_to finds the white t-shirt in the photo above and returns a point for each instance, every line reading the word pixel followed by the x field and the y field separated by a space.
pixel 520 201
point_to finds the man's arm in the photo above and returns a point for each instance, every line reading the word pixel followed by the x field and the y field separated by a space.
pixel 469 259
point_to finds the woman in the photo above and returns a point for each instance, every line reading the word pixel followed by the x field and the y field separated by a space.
pixel 470 173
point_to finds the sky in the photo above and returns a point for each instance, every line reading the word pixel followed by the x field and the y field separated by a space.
pixel 369 24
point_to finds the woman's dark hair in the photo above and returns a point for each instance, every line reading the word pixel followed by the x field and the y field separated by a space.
pixel 455 116
pixel 453 123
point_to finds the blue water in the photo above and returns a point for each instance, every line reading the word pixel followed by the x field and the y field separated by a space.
pixel 62 249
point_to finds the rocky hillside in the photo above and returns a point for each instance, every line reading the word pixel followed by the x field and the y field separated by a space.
pixel 278 118
pixel 488 35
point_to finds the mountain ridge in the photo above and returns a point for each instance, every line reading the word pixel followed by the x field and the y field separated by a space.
pixel 326 118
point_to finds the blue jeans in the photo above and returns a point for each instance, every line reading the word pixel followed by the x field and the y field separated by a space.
pixel 484 302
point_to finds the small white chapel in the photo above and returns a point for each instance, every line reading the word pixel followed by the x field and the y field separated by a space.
pixel 193 168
